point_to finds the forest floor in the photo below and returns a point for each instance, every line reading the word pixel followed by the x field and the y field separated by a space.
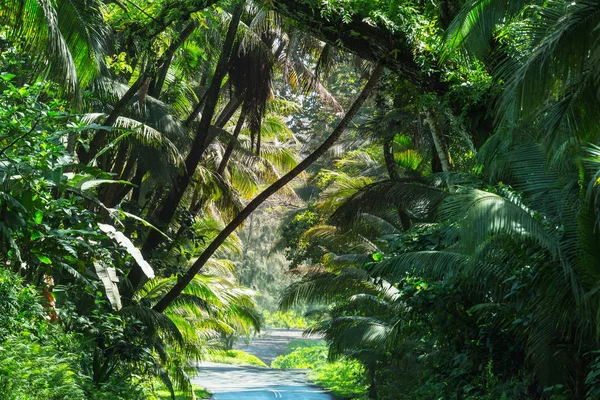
pixel 229 382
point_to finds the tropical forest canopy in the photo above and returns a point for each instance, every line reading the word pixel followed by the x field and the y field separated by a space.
pixel 419 177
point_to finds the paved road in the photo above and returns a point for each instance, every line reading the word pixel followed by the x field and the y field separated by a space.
pixel 229 382
pixel 271 345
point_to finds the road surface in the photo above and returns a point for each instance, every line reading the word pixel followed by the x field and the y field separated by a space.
pixel 231 382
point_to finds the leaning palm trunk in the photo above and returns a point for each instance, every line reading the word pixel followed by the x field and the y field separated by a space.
pixel 232 143
pixel 262 197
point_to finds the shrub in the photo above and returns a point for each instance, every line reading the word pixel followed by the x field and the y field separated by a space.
pixel 236 357
pixel 30 370
pixel 289 320
pixel 344 378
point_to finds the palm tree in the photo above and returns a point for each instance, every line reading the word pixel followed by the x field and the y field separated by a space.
pixel 187 332
pixel 273 188
pixel 360 322
pixel 540 231
pixel 551 81
pixel 69 37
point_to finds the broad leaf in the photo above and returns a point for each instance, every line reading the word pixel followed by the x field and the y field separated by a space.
pixel 124 241
pixel 108 277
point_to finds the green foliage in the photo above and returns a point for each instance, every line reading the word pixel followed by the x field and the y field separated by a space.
pixel 22 309
pixel 160 392
pixel 289 319
pixel 259 266
pixel 29 368
pixel 297 249
pixel 40 360
pixel 304 356
pixel 448 242
pixel 33 371
pixel 343 378
pixel 58 235
pixel 236 357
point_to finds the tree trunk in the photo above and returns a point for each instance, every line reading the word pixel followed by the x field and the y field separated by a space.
pixel 436 135
pixel 196 111
pixel 372 383
pixel 108 193
pixel 231 145
pixel 124 189
pixel 169 206
pixel 388 155
pixel 228 112
pixel 137 181
pixel 185 279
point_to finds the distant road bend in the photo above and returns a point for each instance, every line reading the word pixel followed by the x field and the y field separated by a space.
pixel 230 382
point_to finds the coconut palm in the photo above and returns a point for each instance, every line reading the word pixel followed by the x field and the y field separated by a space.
pixel 69 37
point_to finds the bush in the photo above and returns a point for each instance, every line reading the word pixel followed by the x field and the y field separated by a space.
pixel 289 320
pixel 29 370
pixel 40 361
pixel 32 364
pixel 344 378
pixel 302 358
pixel 236 357
pixel 162 393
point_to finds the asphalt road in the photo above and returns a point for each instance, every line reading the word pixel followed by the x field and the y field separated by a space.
pixel 230 382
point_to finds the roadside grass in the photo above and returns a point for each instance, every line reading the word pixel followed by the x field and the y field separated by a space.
pixel 306 343
pixel 236 357
pixel 162 393
pixel 344 378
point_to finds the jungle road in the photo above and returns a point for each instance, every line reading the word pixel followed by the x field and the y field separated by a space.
pixel 232 382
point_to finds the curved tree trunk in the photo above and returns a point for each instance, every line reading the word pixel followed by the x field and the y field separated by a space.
pixel 185 279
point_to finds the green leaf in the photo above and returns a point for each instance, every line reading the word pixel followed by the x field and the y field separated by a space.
pixel 96 182
pixel 39 216
pixel 6 76
pixel 124 241
pixel 143 221
pixel 44 259
pixel 377 257
pixel 108 277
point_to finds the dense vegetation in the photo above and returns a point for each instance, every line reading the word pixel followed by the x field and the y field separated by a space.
pixel 344 378
pixel 427 171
